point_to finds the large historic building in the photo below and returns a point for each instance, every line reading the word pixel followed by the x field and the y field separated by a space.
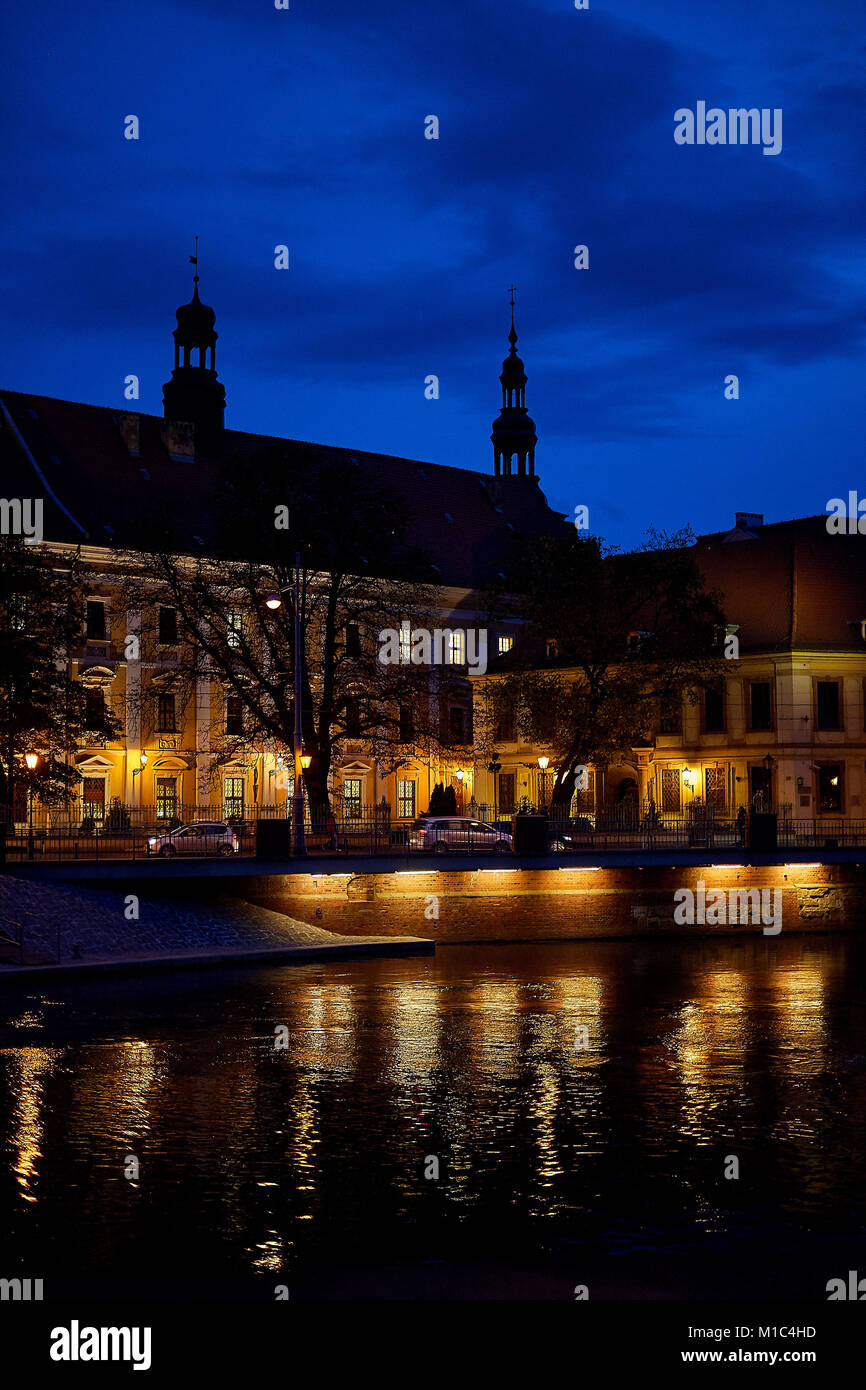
pixel 788 729
pixel 101 472
pixel 789 726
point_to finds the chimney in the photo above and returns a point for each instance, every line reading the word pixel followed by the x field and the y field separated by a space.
pixel 750 521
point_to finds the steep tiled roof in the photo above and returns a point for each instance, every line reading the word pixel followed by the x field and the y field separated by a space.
pixel 793 586
pixel 96 490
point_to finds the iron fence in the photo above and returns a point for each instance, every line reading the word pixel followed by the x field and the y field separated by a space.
pixel 210 831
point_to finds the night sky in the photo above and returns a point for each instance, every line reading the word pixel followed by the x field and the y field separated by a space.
pixel 306 127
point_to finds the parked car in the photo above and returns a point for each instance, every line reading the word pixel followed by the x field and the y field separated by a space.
pixel 203 837
pixel 445 833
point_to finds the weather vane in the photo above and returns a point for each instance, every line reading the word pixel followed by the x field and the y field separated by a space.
pixel 194 261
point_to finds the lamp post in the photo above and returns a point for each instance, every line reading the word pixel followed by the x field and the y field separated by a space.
pixel 32 761
pixel 274 601
pixel 494 767
pixel 543 764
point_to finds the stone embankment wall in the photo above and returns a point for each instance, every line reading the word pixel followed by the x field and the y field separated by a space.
pixel 548 903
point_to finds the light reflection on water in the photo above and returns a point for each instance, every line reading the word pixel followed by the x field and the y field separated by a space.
pixel 255 1160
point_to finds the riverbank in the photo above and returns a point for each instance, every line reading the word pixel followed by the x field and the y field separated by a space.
pixel 52 929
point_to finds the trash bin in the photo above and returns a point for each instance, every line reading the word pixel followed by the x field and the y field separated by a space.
pixel 529 834
pixel 763 830
pixel 273 839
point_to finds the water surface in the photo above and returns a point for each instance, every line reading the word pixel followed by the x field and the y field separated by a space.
pixel 582 1100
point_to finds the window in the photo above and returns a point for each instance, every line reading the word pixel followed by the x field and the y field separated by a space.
pixel 167 626
pixel 670 789
pixel 234 628
pixel 457 647
pixel 93 797
pixel 456 725
pixel 830 788
pixel 504 644
pixel 407 725
pixel 828 705
pixel 234 716
pixel 714 711
pixel 94 709
pixel 552 649
pixel 353 718
pixel 714 787
pixel 352 798
pixel 405 644
pixel 507 782
pixel 505 725
pixel 353 639
pixel 166 715
pixel 17 611
pixel 166 798
pixel 233 798
pixel 760 705
pixel 670 721
pixel 405 800
pixel 96 624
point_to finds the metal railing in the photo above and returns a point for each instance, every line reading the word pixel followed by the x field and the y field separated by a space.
pixel 144 836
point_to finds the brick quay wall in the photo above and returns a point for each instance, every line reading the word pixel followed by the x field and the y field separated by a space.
pixel 533 904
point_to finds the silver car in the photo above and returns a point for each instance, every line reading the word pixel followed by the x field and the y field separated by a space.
pixel 442 834
pixel 203 837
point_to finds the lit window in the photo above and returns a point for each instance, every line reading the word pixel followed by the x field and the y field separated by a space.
pixel 234 627
pixel 457 648
pixel 405 800
pixel 405 645
pixel 233 798
pixel 352 798
pixel 166 798
pixel 504 644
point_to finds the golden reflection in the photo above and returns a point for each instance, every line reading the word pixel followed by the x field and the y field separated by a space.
pixel 799 998
pixel 28 1069
pixel 710 1046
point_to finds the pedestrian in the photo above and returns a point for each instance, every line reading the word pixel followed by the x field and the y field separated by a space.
pixel 741 826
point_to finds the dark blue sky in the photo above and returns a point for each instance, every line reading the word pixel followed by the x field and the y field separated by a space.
pixel 305 127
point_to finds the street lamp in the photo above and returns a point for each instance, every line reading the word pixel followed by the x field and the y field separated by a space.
pixel 494 767
pixel 137 771
pixel 273 601
pixel 32 761
pixel 543 763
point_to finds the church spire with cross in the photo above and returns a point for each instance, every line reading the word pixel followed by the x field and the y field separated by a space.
pixel 194 395
pixel 514 438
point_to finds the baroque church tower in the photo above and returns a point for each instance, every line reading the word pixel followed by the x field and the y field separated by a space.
pixel 514 438
pixel 194 394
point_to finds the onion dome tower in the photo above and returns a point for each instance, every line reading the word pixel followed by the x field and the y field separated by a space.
pixel 194 394
pixel 514 438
